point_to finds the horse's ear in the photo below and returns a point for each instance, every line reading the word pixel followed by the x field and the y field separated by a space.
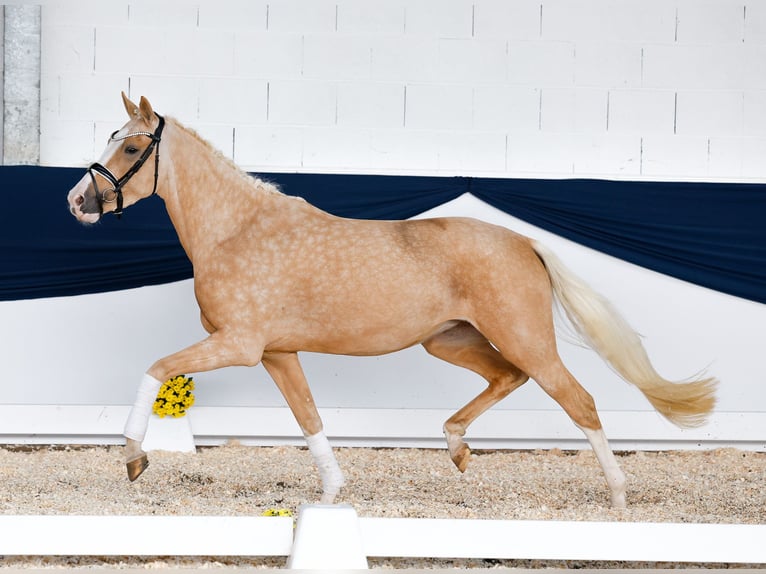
pixel 130 107
pixel 147 113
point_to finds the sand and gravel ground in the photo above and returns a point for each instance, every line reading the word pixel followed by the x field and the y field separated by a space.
pixel 721 486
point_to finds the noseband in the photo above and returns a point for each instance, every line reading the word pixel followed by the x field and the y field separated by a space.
pixel 115 192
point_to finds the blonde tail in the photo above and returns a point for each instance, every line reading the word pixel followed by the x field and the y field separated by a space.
pixel 603 329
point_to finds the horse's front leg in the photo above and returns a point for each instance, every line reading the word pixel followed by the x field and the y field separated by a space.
pixel 218 350
pixel 287 373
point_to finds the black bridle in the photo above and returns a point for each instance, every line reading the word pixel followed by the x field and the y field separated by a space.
pixel 115 193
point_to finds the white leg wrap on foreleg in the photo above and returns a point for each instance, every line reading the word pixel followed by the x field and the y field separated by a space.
pixel 329 471
pixel 138 419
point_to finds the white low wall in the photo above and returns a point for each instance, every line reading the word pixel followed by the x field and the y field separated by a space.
pixel 90 351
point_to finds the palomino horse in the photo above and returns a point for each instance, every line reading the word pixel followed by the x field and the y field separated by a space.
pixel 274 275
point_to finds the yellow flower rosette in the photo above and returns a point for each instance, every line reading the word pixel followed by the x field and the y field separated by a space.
pixel 175 397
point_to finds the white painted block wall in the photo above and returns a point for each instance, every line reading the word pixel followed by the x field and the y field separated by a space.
pixel 637 89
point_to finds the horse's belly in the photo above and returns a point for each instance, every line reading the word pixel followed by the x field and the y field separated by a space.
pixel 363 341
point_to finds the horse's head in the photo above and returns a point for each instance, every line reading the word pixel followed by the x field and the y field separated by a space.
pixel 117 180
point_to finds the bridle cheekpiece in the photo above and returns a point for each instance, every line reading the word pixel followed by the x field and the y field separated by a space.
pixel 115 192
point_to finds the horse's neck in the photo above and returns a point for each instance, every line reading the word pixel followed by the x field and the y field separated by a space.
pixel 207 197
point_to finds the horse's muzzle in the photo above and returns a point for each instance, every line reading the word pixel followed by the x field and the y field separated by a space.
pixel 83 202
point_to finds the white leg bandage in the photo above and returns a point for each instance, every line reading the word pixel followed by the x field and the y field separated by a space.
pixel 615 478
pixel 329 471
pixel 138 419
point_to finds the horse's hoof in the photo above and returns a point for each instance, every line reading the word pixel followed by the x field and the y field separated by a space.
pixel 136 467
pixel 618 501
pixel 462 458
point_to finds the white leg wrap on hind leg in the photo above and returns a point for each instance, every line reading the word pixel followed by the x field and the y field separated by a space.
pixel 329 471
pixel 615 478
pixel 138 419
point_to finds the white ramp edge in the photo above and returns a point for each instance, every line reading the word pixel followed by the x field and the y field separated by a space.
pixel 558 540
pixel 327 537
pixel 169 433
pixel 146 535
pixel 339 535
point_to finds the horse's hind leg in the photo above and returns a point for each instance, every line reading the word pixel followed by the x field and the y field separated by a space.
pixel 559 383
pixel 464 346
pixel 533 348
pixel 287 373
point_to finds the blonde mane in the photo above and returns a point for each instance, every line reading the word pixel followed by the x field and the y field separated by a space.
pixel 253 181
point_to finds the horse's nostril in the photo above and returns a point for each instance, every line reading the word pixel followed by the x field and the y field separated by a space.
pixel 79 200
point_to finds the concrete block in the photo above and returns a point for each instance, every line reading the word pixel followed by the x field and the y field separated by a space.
pixel 641 111
pixel 674 156
pixel 572 21
pixel 506 108
pixel 232 100
pixel 372 17
pixel 261 148
pixel 607 65
pixel 753 152
pixel 336 57
pixel 649 21
pixel 67 143
pixel 438 106
pixel 371 104
pixel 573 110
pixel 66 49
pixel 49 95
pixel 144 55
pixel 755 23
pixel 168 14
pixel 251 15
pixel 199 52
pixel 405 150
pixel 302 103
pixel 174 96
pixel 471 152
pixel 336 149
pixel 175 51
pixel 607 155
pixel 20 142
pixel 407 58
pixel 440 18
pixel 518 20
pixel 726 155
pixel 269 55
pixel 84 13
pixel 754 113
pixel 298 16
pixel 541 64
pixel 92 97
pixel 710 21
pixel 710 113
pixel 754 66
pixel 473 60
pixel 694 67
pixel 540 153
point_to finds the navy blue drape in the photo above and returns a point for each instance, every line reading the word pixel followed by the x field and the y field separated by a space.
pixel 710 234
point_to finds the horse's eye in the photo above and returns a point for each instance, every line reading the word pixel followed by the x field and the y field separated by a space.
pixel 131 150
